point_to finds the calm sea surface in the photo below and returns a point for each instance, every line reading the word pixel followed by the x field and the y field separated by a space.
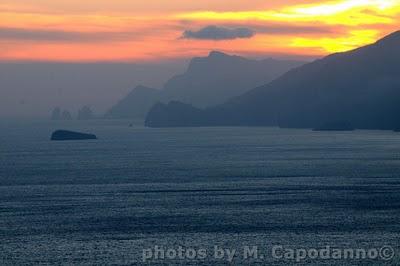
pixel 103 202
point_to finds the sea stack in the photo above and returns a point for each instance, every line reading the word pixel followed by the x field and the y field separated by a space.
pixel 61 135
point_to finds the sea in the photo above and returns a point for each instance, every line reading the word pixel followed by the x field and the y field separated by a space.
pixel 197 196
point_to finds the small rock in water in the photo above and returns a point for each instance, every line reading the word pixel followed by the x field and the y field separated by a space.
pixel 71 135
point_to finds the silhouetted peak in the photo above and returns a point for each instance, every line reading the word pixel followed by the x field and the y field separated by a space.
pixel 214 57
pixel 217 54
pixel 142 90
pixel 393 38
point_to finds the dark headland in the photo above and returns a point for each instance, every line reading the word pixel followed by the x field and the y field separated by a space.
pixel 60 135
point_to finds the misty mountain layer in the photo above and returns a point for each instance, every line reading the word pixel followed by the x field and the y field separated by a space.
pixel 208 81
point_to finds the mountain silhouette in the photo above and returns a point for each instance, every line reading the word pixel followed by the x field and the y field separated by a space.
pixel 136 104
pixel 208 81
pixel 215 79
pixel 361 87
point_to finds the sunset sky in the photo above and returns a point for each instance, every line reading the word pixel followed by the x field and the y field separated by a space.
pixel 137 31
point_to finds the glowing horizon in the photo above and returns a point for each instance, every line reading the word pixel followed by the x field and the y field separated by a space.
pixel 127 31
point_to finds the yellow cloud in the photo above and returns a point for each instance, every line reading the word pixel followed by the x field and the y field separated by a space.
pixel 333 45
pixel 328 9
pixel 348 12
